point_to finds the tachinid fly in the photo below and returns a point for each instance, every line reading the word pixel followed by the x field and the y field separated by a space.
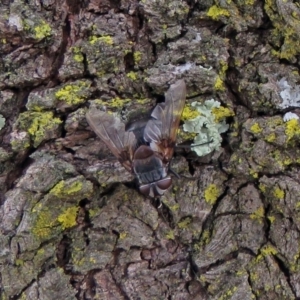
pixel 148 161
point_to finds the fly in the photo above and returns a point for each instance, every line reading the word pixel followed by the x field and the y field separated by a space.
pixel 149 162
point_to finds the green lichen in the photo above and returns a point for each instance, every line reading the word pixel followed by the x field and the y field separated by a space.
pixel 278 193
pixel 68 218
pixel 211 194
pixel 66 189
pixel 106 39
pixel 215 12
pixel 42 31
pixel 75 93
pixel 37 124
pixel 255 128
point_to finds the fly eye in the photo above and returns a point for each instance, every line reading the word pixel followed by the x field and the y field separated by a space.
pixel 145 189
pixel 164 184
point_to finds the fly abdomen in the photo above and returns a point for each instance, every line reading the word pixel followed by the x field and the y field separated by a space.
pixel 148 165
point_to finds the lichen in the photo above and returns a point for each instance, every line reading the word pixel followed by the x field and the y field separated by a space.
pixel 42 30
pixel 66 189
pixel 271 137
pixel 221 112
pixel 189 113
pixel 74 93
pixel 211 194
pixel 68 218
pixel 2 121
pixel 106 39
pixel 44 224
pixel 219 84
pixel 258 214
pixel 37 124
pixel 77 54
pixel 113 103
pixel 137 55
pixel 206 127
pixel 132 75
pixel 278 193
pixel 170 235
pixel 215 12
pixel 255 128
pixel 292 129
pixel 184 223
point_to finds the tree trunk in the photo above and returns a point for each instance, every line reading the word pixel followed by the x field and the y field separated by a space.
pixel 72 223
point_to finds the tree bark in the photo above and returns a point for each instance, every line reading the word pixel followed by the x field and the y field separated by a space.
pixel 72 224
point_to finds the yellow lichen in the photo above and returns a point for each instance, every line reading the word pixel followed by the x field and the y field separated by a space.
pixel 211 194
pixel 278 193
pixel 106 39
pixel 44 225
pixel 113 103
pixel 132 75
pixel 271 219
pixel 258 214
pixel 66 189
pixel 122 235
pixel 170 235
pixel 189 113
pixel 268 250
pixel 42 31
pixel 78 57
pixel 37 124
pixel 271 137
pixel 221 112
pixel 184 223
pixel 137 55
pixel 73 94
pixel 219 84
pixel 255 128
pixel 292 129
pixel 68 218
pixel 215 12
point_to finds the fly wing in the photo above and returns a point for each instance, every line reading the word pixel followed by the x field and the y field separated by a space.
pixel 161 131
pixel 112 132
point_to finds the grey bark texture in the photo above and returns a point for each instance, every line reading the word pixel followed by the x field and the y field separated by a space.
pixel 71 224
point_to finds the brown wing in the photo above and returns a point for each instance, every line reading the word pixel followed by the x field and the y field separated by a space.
pixel 112 132
pixel 161 131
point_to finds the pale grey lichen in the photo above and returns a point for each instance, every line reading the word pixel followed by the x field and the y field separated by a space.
pixel 2 122
pixel 290 95
pixel 289 116
pixel 207 128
